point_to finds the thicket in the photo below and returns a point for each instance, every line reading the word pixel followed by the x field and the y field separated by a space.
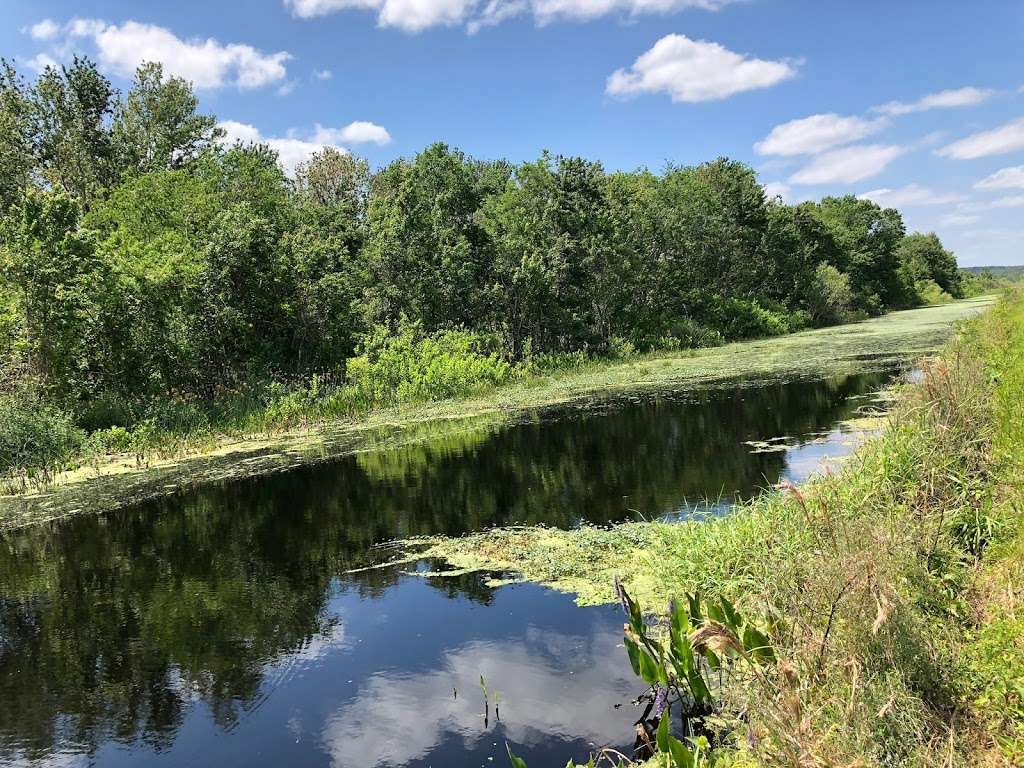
pixel 153 279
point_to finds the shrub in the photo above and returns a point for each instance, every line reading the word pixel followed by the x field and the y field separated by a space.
pixel 929 292
pixel 738 319
pixel 409 366
pixel 34 434
pixel 687 333
pixel 829 297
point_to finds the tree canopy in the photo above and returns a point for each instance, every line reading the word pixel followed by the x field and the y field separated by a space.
pixel 141 258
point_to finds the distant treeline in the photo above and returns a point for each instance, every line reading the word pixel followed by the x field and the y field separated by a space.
pixel 143 262
pixel 1012 273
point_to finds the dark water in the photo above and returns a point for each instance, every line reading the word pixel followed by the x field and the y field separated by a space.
pixel 223 626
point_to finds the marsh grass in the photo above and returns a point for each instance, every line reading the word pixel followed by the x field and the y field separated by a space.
pixel 893 580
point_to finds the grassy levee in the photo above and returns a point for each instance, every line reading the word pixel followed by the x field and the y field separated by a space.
pixel 894 582
pixel 313 433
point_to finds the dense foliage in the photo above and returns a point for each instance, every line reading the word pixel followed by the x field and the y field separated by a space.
pixel 144 263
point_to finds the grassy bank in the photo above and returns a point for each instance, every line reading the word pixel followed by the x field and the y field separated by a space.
pixel 890 587
pixel 310 431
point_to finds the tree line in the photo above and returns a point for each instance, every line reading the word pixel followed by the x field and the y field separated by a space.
pixel 142 260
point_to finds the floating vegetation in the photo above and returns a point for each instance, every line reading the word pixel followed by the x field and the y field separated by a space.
pixel 116 481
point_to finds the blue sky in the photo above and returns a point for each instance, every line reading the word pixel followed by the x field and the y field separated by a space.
pixel 917 103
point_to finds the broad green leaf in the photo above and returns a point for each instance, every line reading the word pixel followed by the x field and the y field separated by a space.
pixel 648 667
pixel 757 644
pixel 634 654
pixel 517 762
pixel 663 734
pixel 733 620
pixel 681 756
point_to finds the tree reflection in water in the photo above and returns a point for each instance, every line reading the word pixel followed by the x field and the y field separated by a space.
pixel 225 622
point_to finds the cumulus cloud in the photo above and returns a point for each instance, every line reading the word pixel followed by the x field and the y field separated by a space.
pixel 387 722
pixel 297 147
pixel 47 29
pixel 1004 178
pixel 40 62
pixel 817 133
pixel 775 189
pixel 1008 137
pixel 909 195
pixel 696 70
pixel 408 15
pixel 358 132
pixel 955 97
pixel 322 74
pixel 847 165
pixel 417 15
pixel 207 63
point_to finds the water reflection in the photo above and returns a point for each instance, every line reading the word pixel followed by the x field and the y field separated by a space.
pixel 221 626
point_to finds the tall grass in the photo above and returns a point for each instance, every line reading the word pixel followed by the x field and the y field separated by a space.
pixel 887 658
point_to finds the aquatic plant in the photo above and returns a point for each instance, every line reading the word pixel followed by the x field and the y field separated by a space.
pixel 707 642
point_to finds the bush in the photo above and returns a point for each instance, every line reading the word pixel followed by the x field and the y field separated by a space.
pixel 409 366
pixel 110 440
pixel 829 297
pixel 687 333
pixel 929 292
pixel 33 434
pixel 737 319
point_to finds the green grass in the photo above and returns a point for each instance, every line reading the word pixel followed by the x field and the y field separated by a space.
pixel 895 581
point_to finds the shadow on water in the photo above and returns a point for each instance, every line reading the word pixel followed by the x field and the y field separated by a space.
pixel 222 626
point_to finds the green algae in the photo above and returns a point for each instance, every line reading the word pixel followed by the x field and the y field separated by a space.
pixel 117 481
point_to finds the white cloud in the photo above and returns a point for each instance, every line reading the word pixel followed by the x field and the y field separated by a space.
pixel 911 194
pixel 816 133
pixel 322 74
pixel 396 719
pixel 1004 178
pixel 959 220
pixel 408 15
pixel 40 61
pixel 954 97
pixel 297 147
pixel 291 150
pixel 358 132
pixel 547 11
pixel 206 63
pixel 47 29
pixel 417 15
pixel 493 12
pixel 1013 201
pixel 696 70
pixel 1006 138
pixel 235 131
pixel 775 189
pixel 848 164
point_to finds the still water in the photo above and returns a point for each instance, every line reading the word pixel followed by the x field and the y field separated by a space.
pixel 225 627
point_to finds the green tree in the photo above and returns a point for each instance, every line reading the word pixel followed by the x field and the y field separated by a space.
pixel 922 257
pixel 17 135
pixel 795 241
pixel 73 107
pixel 548 229
pixel 53 271
pixel 157 126
pixel 867 237
pixel 427 255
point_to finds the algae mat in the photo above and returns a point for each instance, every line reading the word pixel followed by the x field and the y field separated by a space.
pixel 118 481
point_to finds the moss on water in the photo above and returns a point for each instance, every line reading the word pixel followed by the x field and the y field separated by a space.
pixel 115 481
